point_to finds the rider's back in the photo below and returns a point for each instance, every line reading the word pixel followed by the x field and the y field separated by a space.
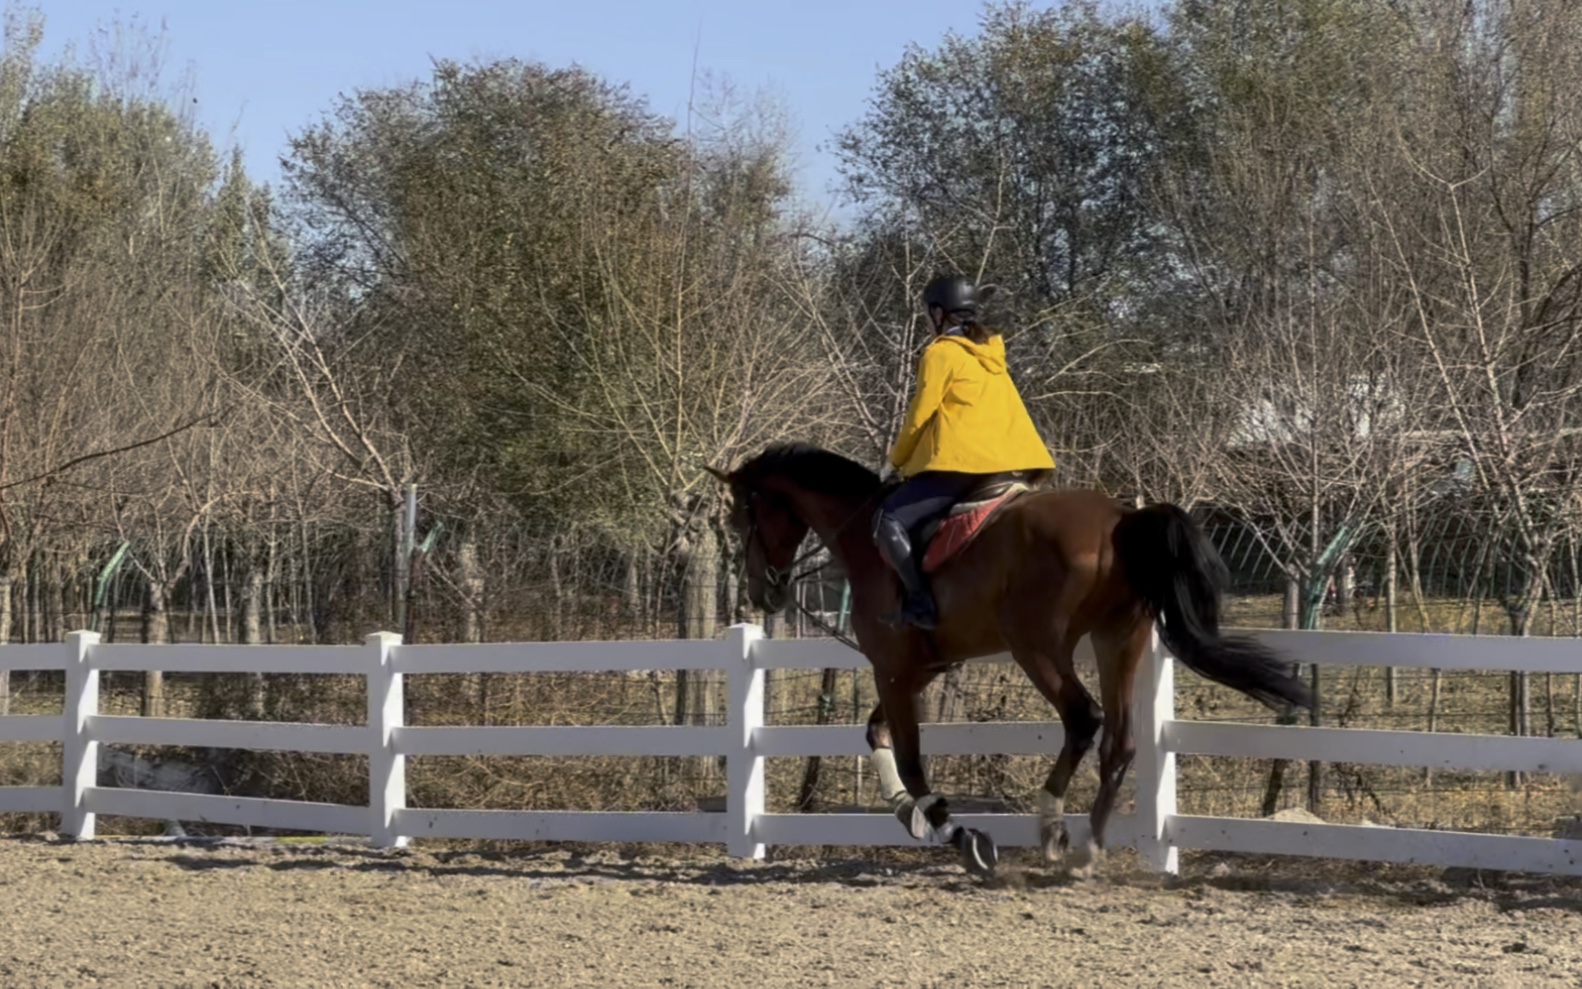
pixel 977 423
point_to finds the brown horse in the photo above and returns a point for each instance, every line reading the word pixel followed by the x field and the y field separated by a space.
pixel 1049 568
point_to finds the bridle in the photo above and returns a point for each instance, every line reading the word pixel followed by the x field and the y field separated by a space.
pixel 785 579
pixel 773 574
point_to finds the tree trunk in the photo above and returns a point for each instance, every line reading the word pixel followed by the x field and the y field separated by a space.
pixel 648 619
pixel 228 589
pixel 309 611
pixel 30 626
pixel 253 604
pixel 557 590
pixel 697 564
pixel 632 592
pixel 252 627
pixel 156 630
pixel 1520 612
pixel 810 773
pixel 398 566
pixel 55 600
pixel 683 627
pixel 270 591
pixel 112 600
pixel 470 577
pixel 210 605
pixel 703 589
pixel 6 583
pixel 1414 574
pixel 1391 688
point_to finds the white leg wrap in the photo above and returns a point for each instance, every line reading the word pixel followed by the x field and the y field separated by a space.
pixel 944 832
pixel 890 788
pixel 1050 807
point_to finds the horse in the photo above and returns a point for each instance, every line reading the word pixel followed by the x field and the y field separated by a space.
pixel 1049 566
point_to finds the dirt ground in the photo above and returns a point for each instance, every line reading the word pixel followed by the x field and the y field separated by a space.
pixel 200 914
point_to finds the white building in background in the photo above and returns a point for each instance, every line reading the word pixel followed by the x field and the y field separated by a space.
pixel 1286 413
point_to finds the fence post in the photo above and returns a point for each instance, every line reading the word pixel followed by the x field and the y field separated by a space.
pixel 1155 706
pixel 744 767
pixel 79 752
pixel 386 766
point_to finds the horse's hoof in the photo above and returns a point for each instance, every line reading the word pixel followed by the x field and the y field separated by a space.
pixel 1089 867
pixel 978 853
pixel 1055 840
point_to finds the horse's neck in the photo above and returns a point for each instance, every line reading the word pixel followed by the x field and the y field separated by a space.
pixel 845 528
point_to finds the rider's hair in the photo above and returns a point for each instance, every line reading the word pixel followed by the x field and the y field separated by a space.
pixel 974 330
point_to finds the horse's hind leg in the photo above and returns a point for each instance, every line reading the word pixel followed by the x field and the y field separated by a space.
pixel 1082 720
pixel 1055 677
pixel 1120 654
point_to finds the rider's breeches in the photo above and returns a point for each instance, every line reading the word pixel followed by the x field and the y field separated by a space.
pixel 925 497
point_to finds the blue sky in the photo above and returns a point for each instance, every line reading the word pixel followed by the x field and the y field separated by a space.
pixel 262 70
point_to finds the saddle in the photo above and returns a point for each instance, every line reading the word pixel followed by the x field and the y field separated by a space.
pixel 945 537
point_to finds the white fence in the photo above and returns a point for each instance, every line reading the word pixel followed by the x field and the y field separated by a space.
pixel 1155 828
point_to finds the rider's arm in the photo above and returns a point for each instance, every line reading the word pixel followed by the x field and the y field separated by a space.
pixel 933 373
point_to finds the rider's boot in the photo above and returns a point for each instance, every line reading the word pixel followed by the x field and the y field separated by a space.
pixel 895 545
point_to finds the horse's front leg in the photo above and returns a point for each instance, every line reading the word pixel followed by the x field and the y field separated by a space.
pixel 882 748
pixel 895 741
pixel 903 785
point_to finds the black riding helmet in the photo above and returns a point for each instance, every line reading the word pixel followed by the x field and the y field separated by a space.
pixel 955 294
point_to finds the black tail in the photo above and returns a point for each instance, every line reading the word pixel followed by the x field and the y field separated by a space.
pixel 1172 565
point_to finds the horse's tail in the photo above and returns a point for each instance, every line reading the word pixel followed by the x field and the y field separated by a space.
pixel 1171 564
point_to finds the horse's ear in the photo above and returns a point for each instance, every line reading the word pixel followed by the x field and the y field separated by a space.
pixel 723 477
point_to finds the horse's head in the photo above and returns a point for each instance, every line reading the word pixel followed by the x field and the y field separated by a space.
pixel 770 531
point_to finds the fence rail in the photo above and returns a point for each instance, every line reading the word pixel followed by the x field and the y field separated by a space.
pixel 1155 829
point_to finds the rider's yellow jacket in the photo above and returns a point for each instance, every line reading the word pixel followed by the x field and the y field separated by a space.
pixel 966 414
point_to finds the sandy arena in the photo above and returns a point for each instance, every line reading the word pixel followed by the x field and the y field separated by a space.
pixel 200 915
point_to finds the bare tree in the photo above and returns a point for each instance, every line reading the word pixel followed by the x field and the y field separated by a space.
pixel 1487 194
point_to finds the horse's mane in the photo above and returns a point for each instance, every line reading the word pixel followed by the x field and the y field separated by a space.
pixel 813 468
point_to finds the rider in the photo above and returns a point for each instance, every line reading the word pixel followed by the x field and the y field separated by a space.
pixel 965 424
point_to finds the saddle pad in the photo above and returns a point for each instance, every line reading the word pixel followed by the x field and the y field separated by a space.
pixel 965 520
